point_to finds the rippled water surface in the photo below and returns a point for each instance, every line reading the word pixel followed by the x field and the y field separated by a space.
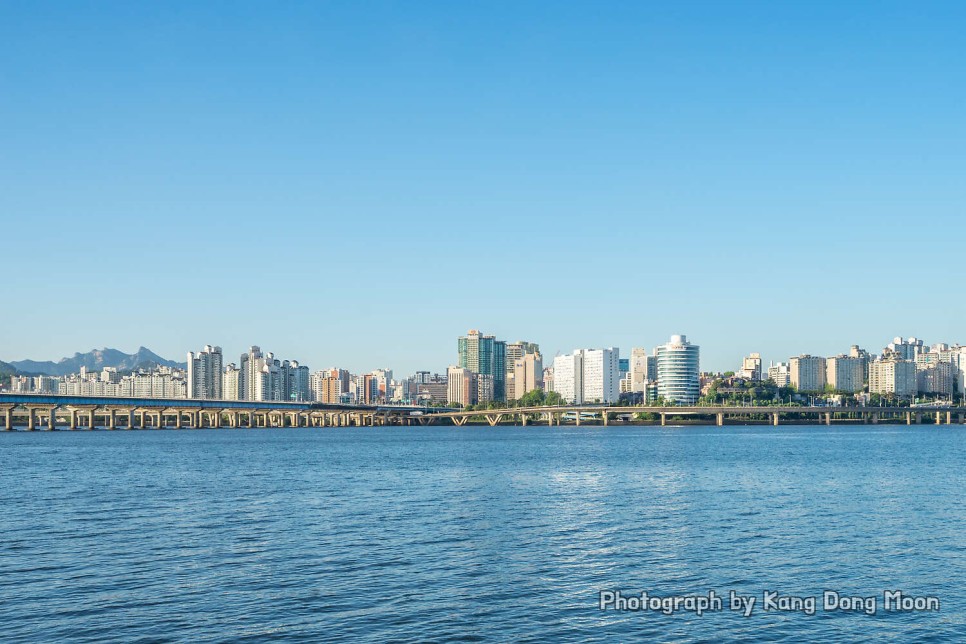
pixel 473 534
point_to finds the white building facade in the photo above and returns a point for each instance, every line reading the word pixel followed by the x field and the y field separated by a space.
pixel 678 371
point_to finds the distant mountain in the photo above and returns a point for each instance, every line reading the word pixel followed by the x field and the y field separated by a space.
pixel 95 361
pixel 7 370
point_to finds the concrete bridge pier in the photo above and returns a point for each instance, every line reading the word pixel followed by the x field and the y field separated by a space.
pixel 774 419
pixel 31 419
pixel 90 418
pixel 663 419
pixel 52 419
pixel 719 417
pixel 7 419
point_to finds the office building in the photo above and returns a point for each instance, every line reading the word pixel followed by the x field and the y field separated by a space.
pixel 461 386
pixel 750 367
pixel 484 354
pixel 678 371
pixel 527 374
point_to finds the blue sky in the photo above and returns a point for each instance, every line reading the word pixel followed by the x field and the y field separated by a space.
pixel 358 183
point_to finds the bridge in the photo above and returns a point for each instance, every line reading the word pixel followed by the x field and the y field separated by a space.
pixel 719 415
pixel 42 411
pixel 30 411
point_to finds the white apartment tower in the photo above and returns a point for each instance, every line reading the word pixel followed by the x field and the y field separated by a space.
pixel 568 372
pixel 230 383
pixel 588 376
pixel 205 373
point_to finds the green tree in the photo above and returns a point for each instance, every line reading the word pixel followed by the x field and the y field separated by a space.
pixel 533 398
pixel 553 398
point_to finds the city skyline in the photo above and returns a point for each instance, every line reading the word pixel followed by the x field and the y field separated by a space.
pixel 357 365
pixel 487 371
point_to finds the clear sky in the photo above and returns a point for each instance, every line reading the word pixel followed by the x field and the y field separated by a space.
pixel 356 184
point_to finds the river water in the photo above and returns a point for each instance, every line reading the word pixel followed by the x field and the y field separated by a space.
pixel 478 534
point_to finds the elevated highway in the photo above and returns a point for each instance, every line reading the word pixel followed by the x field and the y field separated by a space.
pixel 50 412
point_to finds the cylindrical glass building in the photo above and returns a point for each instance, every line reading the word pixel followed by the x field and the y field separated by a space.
pixel 678 371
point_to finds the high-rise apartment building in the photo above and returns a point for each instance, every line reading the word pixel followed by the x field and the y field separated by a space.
pixel 845 373
pixel 264 377
pixel 383 383
pixel 364 389
pixel 936 378
pixel 807 373
pixel 295 381
pixel 249 373
pixel 893 376
pixel 329 385
pixel 230 383
pixel 567 380
pixel 678 371
pixel 588 376
pixel 484 354
pixel 205 373
pixel 601 379
pixel 904 349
